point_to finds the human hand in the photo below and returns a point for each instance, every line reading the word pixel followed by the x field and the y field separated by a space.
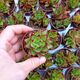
pixel 10 42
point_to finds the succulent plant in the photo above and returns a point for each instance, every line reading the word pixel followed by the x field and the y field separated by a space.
pixel 39 42
pixel 75 74
pixel 65 58
pixel 39 19
pixel 10 21
pixel 19 17
pixel 72 39
pixel 3 8
pixel 61 23
pixel 73 3
pixel 33 76
pixel 56 75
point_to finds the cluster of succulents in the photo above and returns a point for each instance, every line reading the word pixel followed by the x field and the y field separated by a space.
pixel 56 35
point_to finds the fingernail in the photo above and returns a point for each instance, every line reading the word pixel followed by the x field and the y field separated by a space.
pixel 42 59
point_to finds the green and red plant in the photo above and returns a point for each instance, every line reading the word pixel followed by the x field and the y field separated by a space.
pixel 38 42
pixel 65 58
pixel 72 39
pixel 39 19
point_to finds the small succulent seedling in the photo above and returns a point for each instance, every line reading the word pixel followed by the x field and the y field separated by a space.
pixel 56 75
pixel 73 3
pixel 75 74
pixel 39 19
pixel 72 39
pixel 39 42
pixel 61 23
pixel 33 76
pixel 65 59
pixel 3 8
pixel 19 17
pixel 10 20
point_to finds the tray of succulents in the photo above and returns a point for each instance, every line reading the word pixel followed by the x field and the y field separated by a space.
pixel 56 35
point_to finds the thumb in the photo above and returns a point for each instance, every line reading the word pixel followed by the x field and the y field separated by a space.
pixel 31 64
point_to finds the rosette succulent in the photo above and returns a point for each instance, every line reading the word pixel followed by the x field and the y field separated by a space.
pixel 39 19
pixel 56 75
pixel 61 23
pixel 3 8
pixel 73 3
pixel 19 17
pixel 73 38
pixel 73 74
pixel 65 58
pixel 40 41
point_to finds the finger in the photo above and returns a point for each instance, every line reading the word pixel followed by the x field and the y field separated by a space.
pixel 19 56
pixel 31 64
pixel 9 32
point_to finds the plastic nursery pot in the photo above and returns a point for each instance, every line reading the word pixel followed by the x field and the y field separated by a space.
pixel 72 39
pixel 76 19
pixel 64 58
pixel 39 19
pixel 38 42
pixel 73 74
pixel 61 23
